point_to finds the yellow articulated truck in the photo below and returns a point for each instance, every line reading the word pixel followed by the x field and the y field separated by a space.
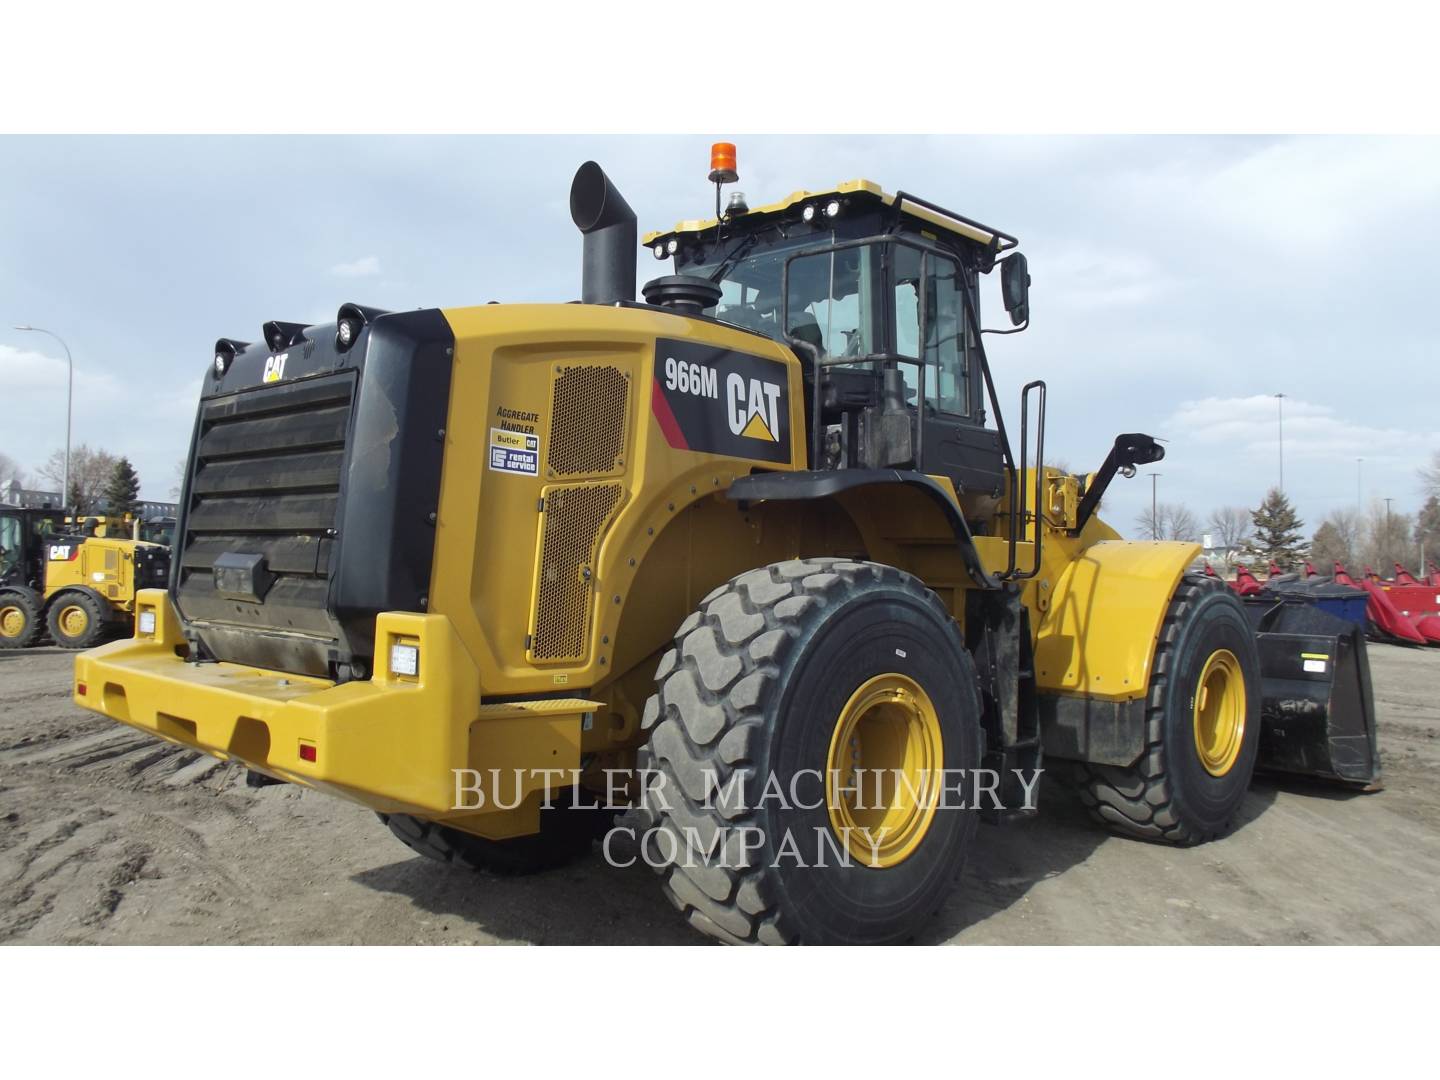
pixel 761 531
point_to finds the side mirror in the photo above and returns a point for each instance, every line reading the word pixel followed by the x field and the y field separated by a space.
pixel 1015 288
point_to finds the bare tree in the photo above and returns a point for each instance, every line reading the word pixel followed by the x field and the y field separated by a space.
pixel 1387 538
pixel 180 473
pixel 1339 538
pixel 9 471
pixel 90 471
pixel 1430 477
pixel 1181 524
pixel 1170 521
pixel 1427 532
pixel 1231 526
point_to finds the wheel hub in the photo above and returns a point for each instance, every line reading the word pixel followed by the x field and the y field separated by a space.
pixel 12 621
pixel 73 620
pixel 1220 712
pixel 884 770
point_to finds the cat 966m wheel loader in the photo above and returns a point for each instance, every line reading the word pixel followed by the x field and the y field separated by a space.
pixel 752 559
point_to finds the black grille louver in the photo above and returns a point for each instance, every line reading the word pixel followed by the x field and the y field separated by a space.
pixel 289 457
pixel 268 469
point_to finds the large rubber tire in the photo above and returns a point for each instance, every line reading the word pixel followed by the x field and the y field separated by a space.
pixel 95 624
pixel 1168 795
pixel 752 689
pixel 20 620
pixel 565 835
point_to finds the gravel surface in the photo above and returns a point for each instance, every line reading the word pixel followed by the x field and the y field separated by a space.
pixel 109 836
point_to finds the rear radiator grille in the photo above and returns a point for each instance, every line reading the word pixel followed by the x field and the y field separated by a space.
pixel 574 520
pixel 588 409
pixel 268 467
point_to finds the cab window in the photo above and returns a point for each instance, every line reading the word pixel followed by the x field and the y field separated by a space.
pixel 10 540
pixel 947 375
pixel 832 301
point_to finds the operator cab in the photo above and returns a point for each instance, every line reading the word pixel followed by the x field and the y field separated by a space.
pixel 878 296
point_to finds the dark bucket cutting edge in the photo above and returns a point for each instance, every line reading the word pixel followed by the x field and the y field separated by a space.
pixel 1318 705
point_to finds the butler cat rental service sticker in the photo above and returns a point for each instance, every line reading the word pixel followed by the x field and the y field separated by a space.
pixel 515 452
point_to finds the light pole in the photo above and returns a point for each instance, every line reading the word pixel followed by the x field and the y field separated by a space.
pixel 1154 506
pixel 1280 431
pixel 1359 499
pixel 69 403
pixel 1385 550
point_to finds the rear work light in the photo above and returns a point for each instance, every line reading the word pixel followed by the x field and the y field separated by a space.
pixel 405 660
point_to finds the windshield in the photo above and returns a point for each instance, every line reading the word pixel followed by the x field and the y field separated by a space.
pixel 750 288
pixel 854 301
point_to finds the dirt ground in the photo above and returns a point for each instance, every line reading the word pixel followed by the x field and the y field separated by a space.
pixel 109 836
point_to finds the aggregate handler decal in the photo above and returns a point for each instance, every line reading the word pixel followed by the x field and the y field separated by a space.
pixel 721 402
pixel 515 443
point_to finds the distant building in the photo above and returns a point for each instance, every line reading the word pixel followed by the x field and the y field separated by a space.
pixel 1215 552
pixel 12 494
pixel 15 495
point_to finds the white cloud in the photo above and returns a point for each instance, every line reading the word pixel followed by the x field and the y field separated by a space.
pixel 1292 199
pixel 26 372
pixel 148 421
pixel 368 266
pixel 1251 425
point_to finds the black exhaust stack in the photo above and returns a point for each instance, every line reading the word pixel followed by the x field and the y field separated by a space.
pixel 611 240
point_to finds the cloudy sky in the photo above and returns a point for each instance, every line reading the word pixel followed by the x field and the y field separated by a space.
pixel 1179 282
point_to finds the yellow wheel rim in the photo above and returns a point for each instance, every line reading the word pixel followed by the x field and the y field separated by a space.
pixel 12 621
pixel 73 620
pixel 884 772
pixel 1220 712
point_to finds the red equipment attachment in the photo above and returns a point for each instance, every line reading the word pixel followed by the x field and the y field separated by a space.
pixel 1434 574
pixel 1402 576
pixel 1274 571
pixel 1310 570
pixel 1246 583
pixel 1381 610
pixel 1417 601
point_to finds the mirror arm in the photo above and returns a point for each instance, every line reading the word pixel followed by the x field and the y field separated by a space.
pixel 1023 326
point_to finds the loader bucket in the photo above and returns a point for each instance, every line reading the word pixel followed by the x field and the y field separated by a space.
pixel 1317 704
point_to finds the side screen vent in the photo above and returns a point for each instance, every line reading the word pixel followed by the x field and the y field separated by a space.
pixel 588 410
pixel 574 519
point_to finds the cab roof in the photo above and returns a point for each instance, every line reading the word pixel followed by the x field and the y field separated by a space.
pixel 867 190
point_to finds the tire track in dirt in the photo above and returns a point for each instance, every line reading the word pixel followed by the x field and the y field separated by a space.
pixel 91 810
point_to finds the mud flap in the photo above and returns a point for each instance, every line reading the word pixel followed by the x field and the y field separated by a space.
pixel 1318 706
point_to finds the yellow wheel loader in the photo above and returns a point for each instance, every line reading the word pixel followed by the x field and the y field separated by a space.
pixel 751 561
pixel 76 579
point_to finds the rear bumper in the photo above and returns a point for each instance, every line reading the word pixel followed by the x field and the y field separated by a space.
pixel 392 742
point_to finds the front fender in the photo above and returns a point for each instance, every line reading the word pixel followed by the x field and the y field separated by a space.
pixel 1098 637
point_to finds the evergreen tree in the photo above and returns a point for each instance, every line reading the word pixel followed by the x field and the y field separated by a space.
pixel 1278 537
pixel 123 488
